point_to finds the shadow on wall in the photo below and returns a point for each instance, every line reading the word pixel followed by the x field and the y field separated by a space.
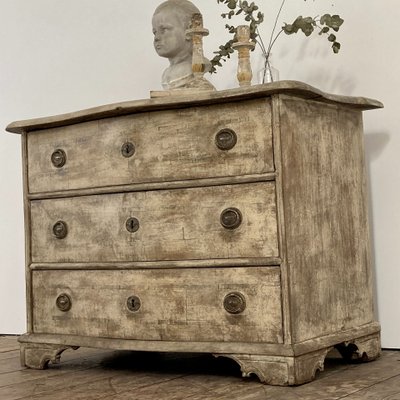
pixel 315 64
pixel 375 144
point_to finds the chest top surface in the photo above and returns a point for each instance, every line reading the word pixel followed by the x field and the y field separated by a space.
pixel 291 88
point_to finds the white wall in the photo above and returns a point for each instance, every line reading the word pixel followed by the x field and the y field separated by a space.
pixel 60 56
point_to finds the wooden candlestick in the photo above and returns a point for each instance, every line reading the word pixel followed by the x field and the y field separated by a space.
pixel 196 32
pixel 243 46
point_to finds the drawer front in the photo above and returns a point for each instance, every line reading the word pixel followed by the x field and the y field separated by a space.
pixel 230 221
pixel 153 147
pixel 184 304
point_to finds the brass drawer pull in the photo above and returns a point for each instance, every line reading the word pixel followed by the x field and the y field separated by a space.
pixel 59 158
pixel 226 139
pixel 60 230
pixel 231 218
pixel 64 302
pixel 234 303
pixel 133 303
pixel 128 149
pixel 132 225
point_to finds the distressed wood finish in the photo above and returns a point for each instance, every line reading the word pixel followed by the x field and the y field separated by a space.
pixel 40 355
pixel 327 235
pixel 293 88
pixel 174 225
pixel 168 147
pixel 297 268
pixel 175 304
pixel 92 374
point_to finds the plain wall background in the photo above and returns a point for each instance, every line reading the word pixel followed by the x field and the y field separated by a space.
pixel 59 56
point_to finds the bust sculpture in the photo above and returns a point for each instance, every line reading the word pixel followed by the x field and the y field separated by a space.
pixel 172 23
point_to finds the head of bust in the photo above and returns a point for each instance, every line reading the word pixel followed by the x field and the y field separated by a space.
pixel 170 21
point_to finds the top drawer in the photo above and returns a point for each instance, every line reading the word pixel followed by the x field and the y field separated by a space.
pixel 155 146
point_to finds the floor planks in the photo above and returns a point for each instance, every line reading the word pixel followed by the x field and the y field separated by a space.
pixel 91 374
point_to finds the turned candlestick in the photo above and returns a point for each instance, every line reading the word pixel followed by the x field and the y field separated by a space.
pixel 196 32
pixel 243 46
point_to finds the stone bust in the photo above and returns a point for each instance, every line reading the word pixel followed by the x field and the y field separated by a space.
pixel 170 21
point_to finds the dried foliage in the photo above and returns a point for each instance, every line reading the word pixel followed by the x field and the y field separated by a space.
pixel 254 17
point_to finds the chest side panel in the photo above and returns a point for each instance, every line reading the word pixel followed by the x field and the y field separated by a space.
pixel 324 194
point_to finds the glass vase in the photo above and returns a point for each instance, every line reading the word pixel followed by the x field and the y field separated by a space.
pixel 267 72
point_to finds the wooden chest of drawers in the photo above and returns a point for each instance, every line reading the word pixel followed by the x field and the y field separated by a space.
pixel 233 223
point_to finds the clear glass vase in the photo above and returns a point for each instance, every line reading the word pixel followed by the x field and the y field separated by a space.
pixel 267 72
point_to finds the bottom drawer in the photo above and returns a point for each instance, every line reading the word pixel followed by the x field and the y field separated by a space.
pixel 203 304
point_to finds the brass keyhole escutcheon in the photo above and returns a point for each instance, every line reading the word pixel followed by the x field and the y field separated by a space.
pixel 64 302
pixel 231 218
pixel 59 158
pixel 133 303
pixel 60 230
pixel 132 225
pixel 226 139
pixel 128 149
pixel 234 303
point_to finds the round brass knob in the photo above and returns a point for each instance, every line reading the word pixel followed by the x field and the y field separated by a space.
pixel 231 218
pixel 133 303
pixel 128 149
pixel 60 229
pixel 58 158
pixel 64 302
pixel 132 225
pixel 234 303
pixel 226 139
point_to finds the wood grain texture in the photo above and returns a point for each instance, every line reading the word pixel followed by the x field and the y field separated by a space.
pixel 174 225
pixel 209 263
pixel 139 187
pixel 40 355
pixel 228 347
pixel 103 374
pixel 293 88
pixel 169 146
pixel 326 218
pixel 232 347
pixel 300 257
pixel 175 304
pixel 27 230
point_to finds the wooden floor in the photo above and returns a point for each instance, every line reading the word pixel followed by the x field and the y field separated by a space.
pixel 87 374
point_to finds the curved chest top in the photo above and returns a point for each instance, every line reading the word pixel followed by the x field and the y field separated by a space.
pixel 290 88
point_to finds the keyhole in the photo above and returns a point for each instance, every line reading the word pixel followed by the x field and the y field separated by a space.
pixel 133 303
pixel 132 225
pixel 128 149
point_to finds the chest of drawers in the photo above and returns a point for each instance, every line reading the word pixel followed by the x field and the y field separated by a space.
pixel 233 223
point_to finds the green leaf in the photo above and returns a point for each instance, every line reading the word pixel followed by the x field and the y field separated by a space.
pixel 336 47
pixel 303 24
pixel 323 20
pixel 232 4
pixel 336 22
pixel 332 21
pixel 332 37
pixel 289 29
pixel 325 29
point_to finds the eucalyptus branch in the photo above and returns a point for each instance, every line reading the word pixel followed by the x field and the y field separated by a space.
pixel 260 42
pixel 271 40
pixel 254 17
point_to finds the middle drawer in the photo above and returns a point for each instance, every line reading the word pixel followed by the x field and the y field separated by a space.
pixel 220 222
